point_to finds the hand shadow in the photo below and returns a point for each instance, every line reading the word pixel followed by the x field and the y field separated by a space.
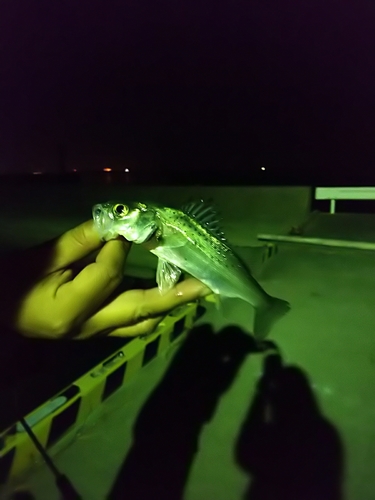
pixel 166 434
pixel 286 445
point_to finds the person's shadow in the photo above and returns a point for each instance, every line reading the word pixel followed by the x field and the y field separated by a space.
pixel 286 445
pixel 166 434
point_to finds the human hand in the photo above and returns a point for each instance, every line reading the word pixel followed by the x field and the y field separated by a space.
pixel 46 297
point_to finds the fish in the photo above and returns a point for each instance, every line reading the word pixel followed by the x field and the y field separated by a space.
pixel 190 240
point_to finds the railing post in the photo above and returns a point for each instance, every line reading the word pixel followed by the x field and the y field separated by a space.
pixel 332 207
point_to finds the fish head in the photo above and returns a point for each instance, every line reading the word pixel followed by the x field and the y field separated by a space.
pixel 134 221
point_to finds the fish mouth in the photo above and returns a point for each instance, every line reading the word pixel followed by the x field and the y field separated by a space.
pixel 98 216
pixel 101 222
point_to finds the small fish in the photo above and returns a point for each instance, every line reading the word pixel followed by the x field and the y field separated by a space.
pixel 191 240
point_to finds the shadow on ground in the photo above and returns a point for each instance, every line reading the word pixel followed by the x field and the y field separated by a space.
pixel 288 448
pixel 166 434
pixel 22 495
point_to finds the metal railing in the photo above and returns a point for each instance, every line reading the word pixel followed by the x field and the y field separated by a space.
pixel 343 193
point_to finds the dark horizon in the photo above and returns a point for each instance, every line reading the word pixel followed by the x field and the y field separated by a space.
pixel 191 93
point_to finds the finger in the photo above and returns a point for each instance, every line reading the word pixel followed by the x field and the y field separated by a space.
pixel 84 294
pixel 153 303
pixel 144 327
pixel 134 306
pixel 74 245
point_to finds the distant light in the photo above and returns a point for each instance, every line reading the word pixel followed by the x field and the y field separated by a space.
pixel 37 173
pixel 127 170
pixel 263 168
pixel 74 170
pixel 107 170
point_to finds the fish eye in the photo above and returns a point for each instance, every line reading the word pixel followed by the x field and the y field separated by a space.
pixel 121 210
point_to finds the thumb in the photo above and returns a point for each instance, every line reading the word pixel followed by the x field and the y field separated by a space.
pixel 74 245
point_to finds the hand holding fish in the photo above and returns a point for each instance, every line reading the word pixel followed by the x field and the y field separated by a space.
pixel 46 297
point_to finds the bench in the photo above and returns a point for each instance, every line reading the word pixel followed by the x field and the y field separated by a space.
pixel 343 193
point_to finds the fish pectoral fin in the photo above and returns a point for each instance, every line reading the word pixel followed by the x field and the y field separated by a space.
pixel 167 275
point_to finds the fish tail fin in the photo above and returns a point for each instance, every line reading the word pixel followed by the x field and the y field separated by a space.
pixel 267 316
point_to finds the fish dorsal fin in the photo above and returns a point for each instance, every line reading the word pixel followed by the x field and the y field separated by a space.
pixel 206 215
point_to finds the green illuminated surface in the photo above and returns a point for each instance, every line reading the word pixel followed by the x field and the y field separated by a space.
pixel 329 334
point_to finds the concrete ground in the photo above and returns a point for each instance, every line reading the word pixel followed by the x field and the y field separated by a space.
pixel 202 423
pixel 350 227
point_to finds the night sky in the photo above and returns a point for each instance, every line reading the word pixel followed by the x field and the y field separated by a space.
pixel 197 87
